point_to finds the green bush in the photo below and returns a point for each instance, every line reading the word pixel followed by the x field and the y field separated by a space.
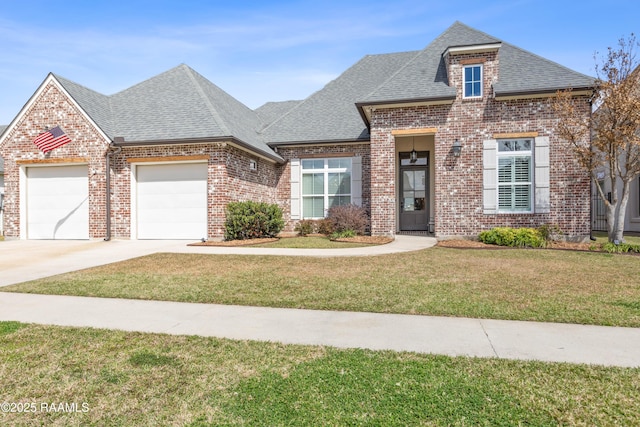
pixel 343 234
pixel 550 232
pixel 252 220
pixel 348 217
pixel 515 237
pixel 621 248
pixel 305 227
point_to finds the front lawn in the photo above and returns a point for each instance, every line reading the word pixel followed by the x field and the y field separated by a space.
pixel 123 379
pixel 519 284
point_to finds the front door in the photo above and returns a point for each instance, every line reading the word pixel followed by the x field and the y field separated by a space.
pixel 414 192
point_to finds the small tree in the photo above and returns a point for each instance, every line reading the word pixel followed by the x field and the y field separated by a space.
pixel 613 130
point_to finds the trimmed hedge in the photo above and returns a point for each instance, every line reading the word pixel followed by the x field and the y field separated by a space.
pixel 516 237
pixel 252 220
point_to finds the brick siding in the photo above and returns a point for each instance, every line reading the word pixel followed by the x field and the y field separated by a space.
pixel 458 197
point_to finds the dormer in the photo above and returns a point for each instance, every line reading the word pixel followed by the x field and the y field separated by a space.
pixel 472 69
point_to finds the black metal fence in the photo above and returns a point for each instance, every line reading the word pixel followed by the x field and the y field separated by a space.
pixel 598 214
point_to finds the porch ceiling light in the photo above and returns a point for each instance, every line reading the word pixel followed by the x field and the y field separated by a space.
pixel 457 148
pixel 413 156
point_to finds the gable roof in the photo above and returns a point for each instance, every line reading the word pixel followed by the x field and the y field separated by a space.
pixel 425 76
pixel 330 113
pixel 520 72
pixel 176 105
pixel 181 106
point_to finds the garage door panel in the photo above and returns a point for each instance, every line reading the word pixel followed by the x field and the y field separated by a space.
pixel 160 201
pixel 172 201
pixel 58 202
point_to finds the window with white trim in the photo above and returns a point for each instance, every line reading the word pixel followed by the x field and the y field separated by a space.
pixel 472 77
pixel 325 183
pixel 515 175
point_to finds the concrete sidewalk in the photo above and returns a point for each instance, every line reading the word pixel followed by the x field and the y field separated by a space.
pixel 438 335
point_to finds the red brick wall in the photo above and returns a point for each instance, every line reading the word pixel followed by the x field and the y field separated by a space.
pixel 458 181
pixel 52 108
pixel 229 176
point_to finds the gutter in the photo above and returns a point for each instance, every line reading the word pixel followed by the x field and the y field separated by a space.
pixel 273 157
pixel 112 150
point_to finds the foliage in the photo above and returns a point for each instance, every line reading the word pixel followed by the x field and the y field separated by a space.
pixel 621 248
pixel 515 237
pixel 305 227
pixel 325 226
pixel 343 234
pixel 348 217
pixel 607 141
pixel 550 232
pixel 252 220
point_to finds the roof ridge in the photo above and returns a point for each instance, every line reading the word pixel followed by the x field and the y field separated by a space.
pixel 306 100
pixel 214 112
pixel 395 73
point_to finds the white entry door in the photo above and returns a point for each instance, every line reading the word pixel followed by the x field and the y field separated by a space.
pixel 57 202
pixel 171 201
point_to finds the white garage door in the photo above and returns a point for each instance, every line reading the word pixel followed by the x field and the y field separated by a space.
pixel 172 201
pixel 58 202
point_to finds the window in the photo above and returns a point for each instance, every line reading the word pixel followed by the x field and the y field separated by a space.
pixel 325 183
pixel 514 175
pixel 472 81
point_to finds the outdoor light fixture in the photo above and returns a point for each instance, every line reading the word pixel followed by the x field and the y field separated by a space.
pixel 457 148
pixel 413 157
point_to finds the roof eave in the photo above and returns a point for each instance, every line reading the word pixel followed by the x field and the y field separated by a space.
pixel 319 142
pixel 540 93
pixel 365 108
pixel 267 155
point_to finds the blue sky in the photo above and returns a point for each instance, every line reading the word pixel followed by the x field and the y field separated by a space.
pixel 261 51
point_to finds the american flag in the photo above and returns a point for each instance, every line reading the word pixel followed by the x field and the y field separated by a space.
pixel 51 139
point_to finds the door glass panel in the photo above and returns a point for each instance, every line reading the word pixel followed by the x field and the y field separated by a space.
pixel 413 190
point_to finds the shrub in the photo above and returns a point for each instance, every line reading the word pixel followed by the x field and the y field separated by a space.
pixel 343 234
pixel 348 217
pixel 305 226
pixel 252 220
pixel 550 232
pixel 516 237
pixel 325 226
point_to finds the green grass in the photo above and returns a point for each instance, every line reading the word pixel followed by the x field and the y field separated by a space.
pixel 150 379
pixel 518 284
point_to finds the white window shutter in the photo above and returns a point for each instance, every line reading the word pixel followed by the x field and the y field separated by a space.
pixel 356 180
pixel 542 198
pixel 489 176
pixel 295 188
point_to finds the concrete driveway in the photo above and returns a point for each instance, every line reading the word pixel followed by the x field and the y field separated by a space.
pixel 23 260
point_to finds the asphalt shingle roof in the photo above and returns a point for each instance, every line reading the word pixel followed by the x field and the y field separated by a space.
pixel 330 113
pixel 274 110
pixel 180 104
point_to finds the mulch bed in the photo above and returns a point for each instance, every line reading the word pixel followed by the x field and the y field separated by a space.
pixel 246 242
pixel 474 244
pixel 371 240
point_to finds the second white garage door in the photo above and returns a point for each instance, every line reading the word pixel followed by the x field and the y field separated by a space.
pixel 171 201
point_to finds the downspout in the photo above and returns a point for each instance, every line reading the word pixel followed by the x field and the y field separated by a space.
pixel 113 149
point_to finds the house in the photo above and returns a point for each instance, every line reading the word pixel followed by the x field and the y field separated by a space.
pixel 452 139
